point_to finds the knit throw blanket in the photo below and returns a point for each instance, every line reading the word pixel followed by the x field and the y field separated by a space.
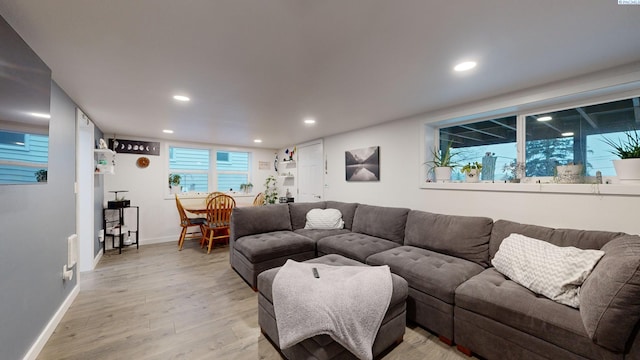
pixel 347 303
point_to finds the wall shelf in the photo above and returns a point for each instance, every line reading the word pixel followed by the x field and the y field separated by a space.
pixel 105 161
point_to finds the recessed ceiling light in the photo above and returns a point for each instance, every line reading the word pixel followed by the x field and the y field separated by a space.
pixel 545 118
pixel 464 66
pixel 167 131
pixel 309 121
pixel 40 115
pixel 567 133
pixel 257 141
pixel 181 98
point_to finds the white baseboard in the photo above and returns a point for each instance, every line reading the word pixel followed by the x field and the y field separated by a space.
pixel 38 345
pixel 96 260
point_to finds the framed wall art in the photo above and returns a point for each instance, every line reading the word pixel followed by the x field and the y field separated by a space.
pixel 363 164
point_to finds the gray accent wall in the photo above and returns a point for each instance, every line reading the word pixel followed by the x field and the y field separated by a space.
pixel 35 221
pixel 98 200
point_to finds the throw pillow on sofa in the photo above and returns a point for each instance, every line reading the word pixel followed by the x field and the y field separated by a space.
pixel 553 271
pixel 324 219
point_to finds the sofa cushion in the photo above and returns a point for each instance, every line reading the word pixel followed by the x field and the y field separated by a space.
pixel 556 272
pixel 348 210
pixel 432 273
pixel 354 245
pixel 262 247
pixel 249 220
pixel 317 234
pixel 324 219
pixel 492 295
pixel 383 222
pixel 465 237
pixel 610 297
pixel 298 212
pixel 582 239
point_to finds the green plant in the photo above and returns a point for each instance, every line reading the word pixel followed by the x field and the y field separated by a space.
pixel 41 175
pixel 271 190
pixel 471 166
pixel 174 179
pixel 442 157
pixel 515 171
pixel 626 148
pixel 246 187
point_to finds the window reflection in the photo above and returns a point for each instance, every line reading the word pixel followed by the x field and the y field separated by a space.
pixel 23 157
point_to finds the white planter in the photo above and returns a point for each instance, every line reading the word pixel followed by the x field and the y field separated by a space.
pixel 473 176
pixel 175 189
pixel 627 170
pixel 443 174
pixel 569 174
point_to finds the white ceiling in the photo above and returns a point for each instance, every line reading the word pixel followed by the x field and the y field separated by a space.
pixel 256 68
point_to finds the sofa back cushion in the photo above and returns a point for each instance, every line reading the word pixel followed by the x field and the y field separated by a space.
pixel 610 296
pixel 251 220
pixel 466 237
pixel 582 239
pixel 348 210
pixel 298 212
pixel 383 222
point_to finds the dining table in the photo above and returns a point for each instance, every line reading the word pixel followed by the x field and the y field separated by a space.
pixel 200 208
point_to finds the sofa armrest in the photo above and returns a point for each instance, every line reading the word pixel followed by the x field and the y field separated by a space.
pixel 610 296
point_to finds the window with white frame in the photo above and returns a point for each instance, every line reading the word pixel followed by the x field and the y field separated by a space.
pixel 559 137
pixel 232 168
pixel 192 164
pixel 491 143
pixel 577 136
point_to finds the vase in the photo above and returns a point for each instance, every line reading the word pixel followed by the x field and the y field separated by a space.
pixel 569 174
pixel 628 170
pixel 472 176
pixel 442 173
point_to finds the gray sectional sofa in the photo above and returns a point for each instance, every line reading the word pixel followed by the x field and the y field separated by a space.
pixel 453 290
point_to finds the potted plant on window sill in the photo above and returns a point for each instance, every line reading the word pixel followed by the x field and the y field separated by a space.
pixel 174 183
pixel 628 150
pixel 569 174
pixel 442 164
pixel 246 188
pixel 515 171
pixel 472 172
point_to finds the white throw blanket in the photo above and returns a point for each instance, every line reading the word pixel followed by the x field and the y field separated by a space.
pixel 347 303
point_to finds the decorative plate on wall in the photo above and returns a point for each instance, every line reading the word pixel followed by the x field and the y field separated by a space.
pixel 142 162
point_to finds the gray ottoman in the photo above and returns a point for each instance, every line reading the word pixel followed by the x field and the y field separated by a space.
pixel 323 347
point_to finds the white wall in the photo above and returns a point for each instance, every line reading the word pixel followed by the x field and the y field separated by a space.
pixel 159 221
pixel 402 149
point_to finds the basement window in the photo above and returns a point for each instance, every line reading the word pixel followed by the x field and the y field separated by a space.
pixel 529 146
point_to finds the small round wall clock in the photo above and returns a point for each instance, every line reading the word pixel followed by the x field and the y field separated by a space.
pixel 142 162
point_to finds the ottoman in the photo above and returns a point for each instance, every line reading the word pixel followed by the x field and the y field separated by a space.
pixel 323 347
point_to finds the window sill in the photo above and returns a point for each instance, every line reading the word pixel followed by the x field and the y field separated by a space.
pixel 596 189
pixel 203 195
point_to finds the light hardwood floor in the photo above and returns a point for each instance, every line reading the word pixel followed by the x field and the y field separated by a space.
pixel 159 303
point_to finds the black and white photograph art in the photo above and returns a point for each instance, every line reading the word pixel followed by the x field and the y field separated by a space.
pixel 363 164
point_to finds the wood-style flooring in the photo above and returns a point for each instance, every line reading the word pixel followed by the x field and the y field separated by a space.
pixel 161 303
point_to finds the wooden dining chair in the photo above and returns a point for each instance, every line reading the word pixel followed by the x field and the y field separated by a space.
pixel 187 222
pixel 219 210
pixel 259 200
pixel 212 195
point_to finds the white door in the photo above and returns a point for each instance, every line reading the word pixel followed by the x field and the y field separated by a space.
pixel 84 196
pixel 310 172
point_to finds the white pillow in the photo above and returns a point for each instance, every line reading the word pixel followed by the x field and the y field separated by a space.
pixel 324 219
pixel 553 271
